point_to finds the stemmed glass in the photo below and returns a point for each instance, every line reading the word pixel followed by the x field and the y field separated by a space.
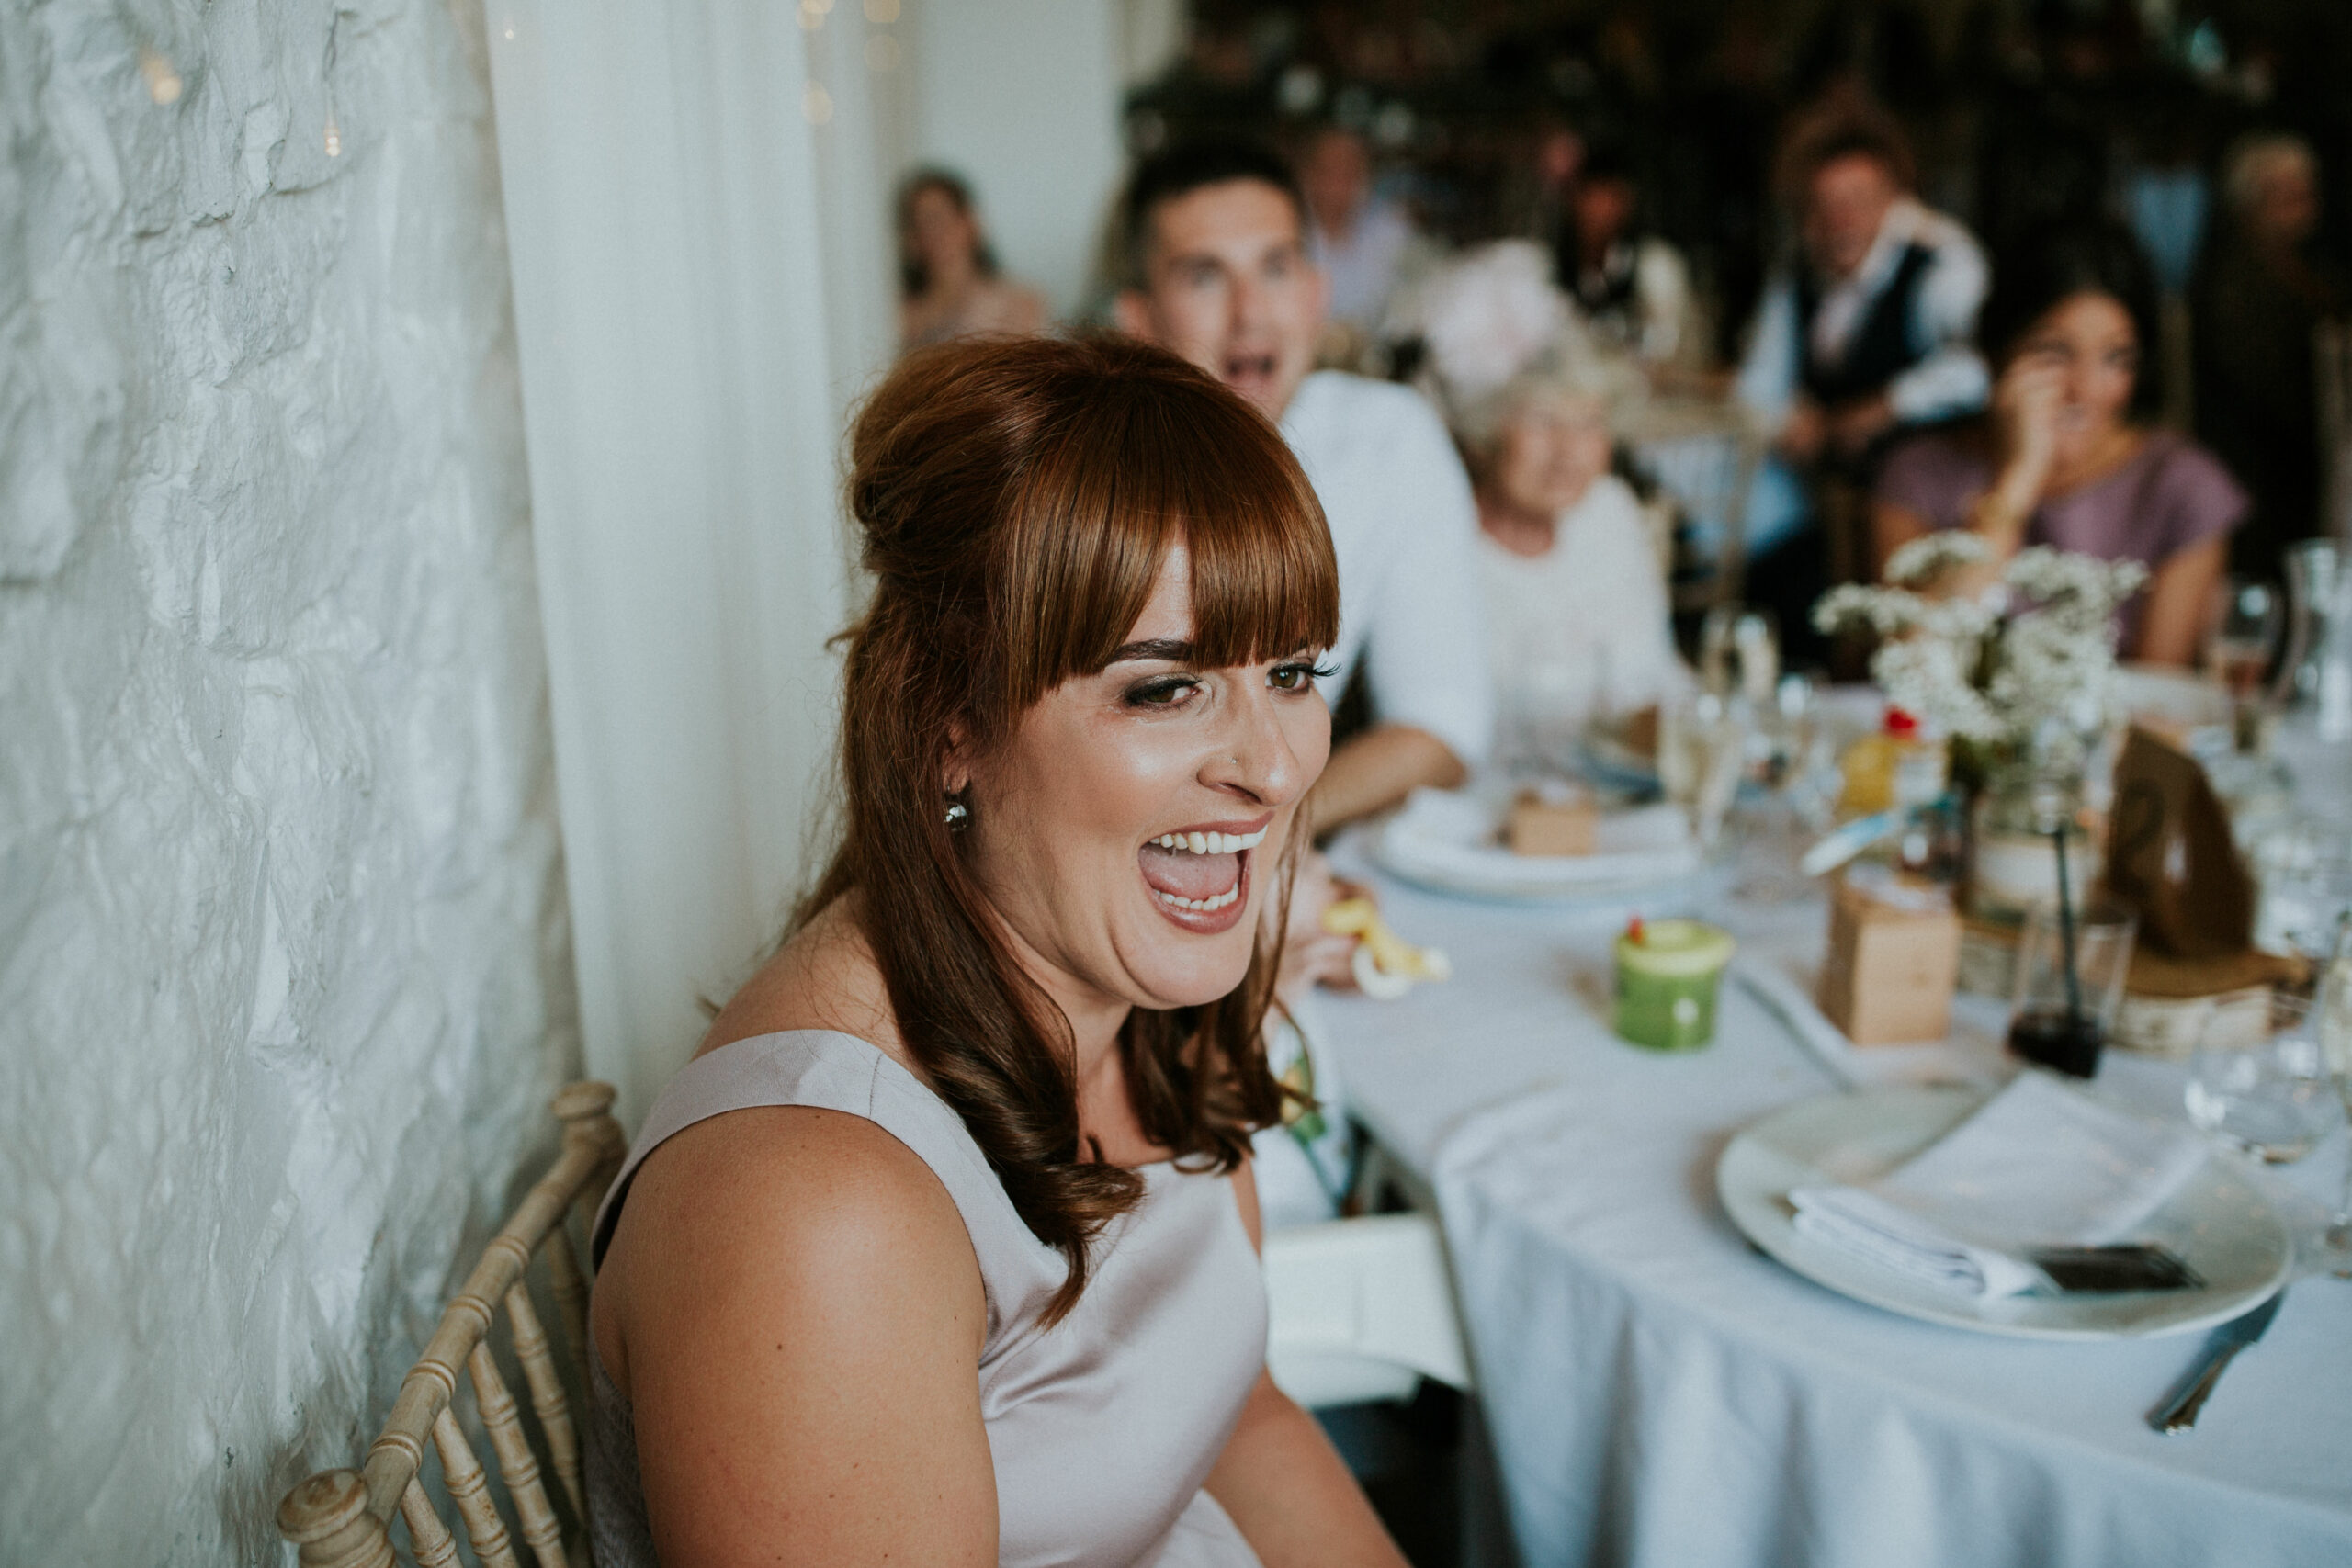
pixel 2331 1008
pixel 1789 759
pixel 2241 632
pixel 1702 752
pixel 1739 653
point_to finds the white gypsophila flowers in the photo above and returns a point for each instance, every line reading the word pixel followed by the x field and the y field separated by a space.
pixel 1929 556
pixel 1889 611
pixel 1896 611
pixel 2081 589
pixel 2026 658
pixel 1927 677
pixel 2044 669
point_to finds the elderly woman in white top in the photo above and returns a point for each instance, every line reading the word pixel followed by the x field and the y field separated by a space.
pixel 1575 592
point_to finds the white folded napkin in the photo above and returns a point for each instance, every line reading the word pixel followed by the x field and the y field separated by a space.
pixel 2039 1165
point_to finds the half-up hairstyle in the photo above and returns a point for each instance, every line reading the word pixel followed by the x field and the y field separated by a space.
pixel 1016 498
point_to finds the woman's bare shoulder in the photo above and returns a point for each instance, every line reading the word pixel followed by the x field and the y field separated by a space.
pixel 823 977
pixel 792 1270
pixel 773 1203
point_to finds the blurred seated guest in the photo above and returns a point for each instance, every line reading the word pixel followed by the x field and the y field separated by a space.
pixel 2066 458
pixel 1539 169
pixel 942 1248
pixel 1632 290
pixel 1215 241
pixel 948 282
pixel 1869 330
pixel 1577 623
pixel 1490 313
pixel 1873 327
pixel 2258 302
pixel 1363 244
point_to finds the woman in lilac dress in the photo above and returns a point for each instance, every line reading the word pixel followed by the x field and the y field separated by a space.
pixel 2064 457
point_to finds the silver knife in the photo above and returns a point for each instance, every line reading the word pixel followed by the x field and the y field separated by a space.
pixel 2178 1414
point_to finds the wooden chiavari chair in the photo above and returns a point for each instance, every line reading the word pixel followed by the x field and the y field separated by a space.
pixel 341 1519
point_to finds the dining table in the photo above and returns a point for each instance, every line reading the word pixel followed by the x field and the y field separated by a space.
pixel 1658 1393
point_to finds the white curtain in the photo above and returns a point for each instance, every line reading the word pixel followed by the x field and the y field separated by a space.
pixel 697 202
pixel 700 286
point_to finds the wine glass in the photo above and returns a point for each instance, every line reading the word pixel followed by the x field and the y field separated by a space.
pixel 2265 1090
pixel 1739 653
pixel 2242 631
pixel 1788 756
pixel 1701 751
pixel 2332 1007
pixel 2303 869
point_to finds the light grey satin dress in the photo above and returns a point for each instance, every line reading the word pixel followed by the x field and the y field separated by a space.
pixel 1103 1427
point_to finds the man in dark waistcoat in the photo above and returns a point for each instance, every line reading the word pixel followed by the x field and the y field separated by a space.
pixel 1870 330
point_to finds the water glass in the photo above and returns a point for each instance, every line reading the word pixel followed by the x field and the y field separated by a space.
pixel 2332 1013
pixel 2242 631
pixel 2303 872
pixel 1541 714
pixel 1739 653
pixel 2062 1022
pixel 2311 567
pixel 1791 762
pixel 2270 1096
pixel 1701 751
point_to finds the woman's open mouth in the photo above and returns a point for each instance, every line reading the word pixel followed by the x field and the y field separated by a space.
pixel 1199 876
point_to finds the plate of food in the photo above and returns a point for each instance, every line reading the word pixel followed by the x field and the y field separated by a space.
pixel 2215 1222
pixel 1533 843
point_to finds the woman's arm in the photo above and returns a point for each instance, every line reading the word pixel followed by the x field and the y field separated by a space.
pixel 2177 602
pixel 1892 527
pixel 2025 414
pixel 1282 1481
pixel 791 1306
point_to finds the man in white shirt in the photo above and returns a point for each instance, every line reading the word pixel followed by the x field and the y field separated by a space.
pixel 1218 272
pixel 1874 327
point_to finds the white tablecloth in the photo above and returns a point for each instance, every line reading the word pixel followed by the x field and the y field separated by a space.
pixel 1658 1393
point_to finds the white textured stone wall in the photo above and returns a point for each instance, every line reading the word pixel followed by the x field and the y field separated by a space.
pixel 284 974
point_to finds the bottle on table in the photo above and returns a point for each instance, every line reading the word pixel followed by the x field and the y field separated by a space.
pixel 1898 766
pixel 1902 768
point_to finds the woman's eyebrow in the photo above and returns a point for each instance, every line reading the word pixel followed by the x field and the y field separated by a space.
pixel 1172 650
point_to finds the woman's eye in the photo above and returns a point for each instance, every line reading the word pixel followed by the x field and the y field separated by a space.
pixel 1297 677
pixel 1166 692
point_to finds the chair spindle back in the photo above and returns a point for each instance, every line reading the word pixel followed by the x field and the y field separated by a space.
pixel 341 1518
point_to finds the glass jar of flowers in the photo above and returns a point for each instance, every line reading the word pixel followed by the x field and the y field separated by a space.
pixel 2016 674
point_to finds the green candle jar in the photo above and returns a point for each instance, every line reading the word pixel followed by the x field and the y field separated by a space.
pixel 1667 973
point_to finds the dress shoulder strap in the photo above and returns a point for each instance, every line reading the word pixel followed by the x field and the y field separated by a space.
pixel 832 1071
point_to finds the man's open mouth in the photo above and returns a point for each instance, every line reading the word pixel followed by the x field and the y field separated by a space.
pixel 1249 369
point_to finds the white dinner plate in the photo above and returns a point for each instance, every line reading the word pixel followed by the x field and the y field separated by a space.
pixel 1445 840
pixel 2219 1223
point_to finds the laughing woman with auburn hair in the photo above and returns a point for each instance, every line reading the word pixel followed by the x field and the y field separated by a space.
pixel 942 1250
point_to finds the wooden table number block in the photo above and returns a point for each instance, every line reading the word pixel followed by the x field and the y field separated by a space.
pixel 1893 961
pixel 1555 822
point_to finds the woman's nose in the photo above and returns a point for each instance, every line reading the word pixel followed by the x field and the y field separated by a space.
pixel 1255 756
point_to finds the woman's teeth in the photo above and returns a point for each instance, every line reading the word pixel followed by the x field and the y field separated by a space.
pixel 1210 843
pixel 1202 906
